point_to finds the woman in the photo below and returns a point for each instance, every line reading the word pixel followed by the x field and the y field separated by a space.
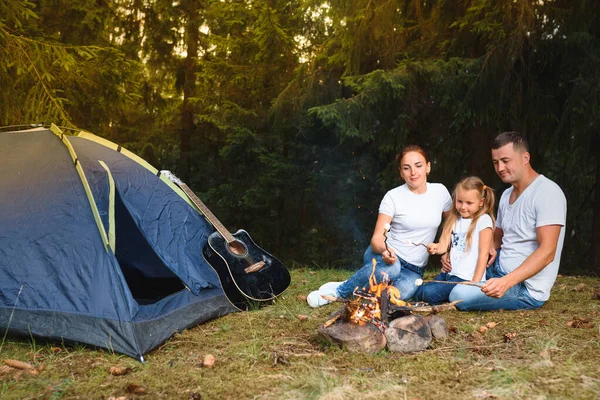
pixel 414 211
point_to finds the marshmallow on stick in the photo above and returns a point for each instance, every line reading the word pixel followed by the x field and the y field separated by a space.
pixel 419 282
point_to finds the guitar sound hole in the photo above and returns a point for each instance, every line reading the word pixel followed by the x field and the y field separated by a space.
pixel 237 248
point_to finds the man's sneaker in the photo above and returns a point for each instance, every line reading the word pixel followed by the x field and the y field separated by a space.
pixel 315 299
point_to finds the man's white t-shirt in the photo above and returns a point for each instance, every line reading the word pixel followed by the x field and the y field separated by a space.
pixel 463 258
pixel 415 218
pixel 541 203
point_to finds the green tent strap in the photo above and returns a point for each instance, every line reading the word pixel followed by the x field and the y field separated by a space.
pixel 112 239
pixel 56 130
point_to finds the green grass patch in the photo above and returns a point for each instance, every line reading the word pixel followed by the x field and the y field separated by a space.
pixel 272 353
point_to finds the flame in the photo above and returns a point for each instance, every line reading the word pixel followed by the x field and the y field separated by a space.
pixel 370 311
pixel 378 288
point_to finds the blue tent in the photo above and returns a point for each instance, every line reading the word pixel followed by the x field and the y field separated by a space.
pixel 96 247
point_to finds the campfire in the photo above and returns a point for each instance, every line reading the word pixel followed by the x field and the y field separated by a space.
pixel 376 313
pixel 369 305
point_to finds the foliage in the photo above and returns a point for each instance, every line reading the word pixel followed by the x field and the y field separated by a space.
pixel 285 116
pixel 47 77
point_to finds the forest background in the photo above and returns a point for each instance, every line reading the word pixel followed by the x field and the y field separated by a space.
pixel 285 116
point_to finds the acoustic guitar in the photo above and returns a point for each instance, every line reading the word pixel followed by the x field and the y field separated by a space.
pixel 248 274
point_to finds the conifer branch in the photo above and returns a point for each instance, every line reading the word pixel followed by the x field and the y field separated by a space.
pixel 49 95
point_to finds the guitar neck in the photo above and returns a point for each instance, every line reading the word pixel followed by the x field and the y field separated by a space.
pixel 207 213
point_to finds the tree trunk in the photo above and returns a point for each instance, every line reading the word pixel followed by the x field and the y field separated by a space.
pixel 189 89
pixel 479 154
pixel 281 210
pixel 595 259
pixel 477 147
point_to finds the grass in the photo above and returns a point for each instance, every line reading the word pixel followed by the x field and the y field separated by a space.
pixel 547 359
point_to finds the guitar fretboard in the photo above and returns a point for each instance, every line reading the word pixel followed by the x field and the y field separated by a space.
pixel 207 213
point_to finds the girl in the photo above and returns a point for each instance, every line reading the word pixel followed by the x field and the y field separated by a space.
pixel 413 211
pixel 467 234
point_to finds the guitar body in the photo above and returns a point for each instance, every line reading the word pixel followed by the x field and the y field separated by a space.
pixel 247 273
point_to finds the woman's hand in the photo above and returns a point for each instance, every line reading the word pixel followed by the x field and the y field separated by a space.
pixel 433 248
pixel 389 256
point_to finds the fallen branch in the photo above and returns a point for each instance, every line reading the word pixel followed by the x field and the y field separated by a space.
pixel 5 369
pixel 18 364
pixel 304 354
pixel 454 348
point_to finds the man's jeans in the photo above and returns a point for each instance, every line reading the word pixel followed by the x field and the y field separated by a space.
pixel 402 275
pixel 515 298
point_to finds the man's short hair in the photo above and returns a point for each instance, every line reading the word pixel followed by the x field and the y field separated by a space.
pixel 519 142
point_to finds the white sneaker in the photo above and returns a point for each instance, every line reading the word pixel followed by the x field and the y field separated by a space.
pixel 315 299
pixel 330 286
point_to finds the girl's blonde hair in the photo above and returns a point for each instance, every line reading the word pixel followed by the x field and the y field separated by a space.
pixel 486 193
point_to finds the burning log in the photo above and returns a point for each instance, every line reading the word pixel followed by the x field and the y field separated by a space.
pixel 332 320
pixel 384 305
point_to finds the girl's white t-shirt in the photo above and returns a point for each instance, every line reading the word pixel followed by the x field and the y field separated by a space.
pixel 463 259
pixel 415 218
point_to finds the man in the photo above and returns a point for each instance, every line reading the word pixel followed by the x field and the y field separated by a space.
pixel 529 235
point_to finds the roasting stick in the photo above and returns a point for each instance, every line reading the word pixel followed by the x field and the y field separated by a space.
pixel 413 243
pixel 419 282
pixel 386 229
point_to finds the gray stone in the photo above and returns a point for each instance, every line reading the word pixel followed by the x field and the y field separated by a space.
pixel 439 329
pixel 356 338
pixel 408 334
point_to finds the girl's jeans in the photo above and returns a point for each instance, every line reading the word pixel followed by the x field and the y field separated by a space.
pixel 437 293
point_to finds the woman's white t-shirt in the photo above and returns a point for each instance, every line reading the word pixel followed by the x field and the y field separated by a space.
pixel 415 218
pixel 463 258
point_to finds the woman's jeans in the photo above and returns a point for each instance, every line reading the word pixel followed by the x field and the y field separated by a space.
pixel 437 293
pixel 401 274
pixel 515 298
